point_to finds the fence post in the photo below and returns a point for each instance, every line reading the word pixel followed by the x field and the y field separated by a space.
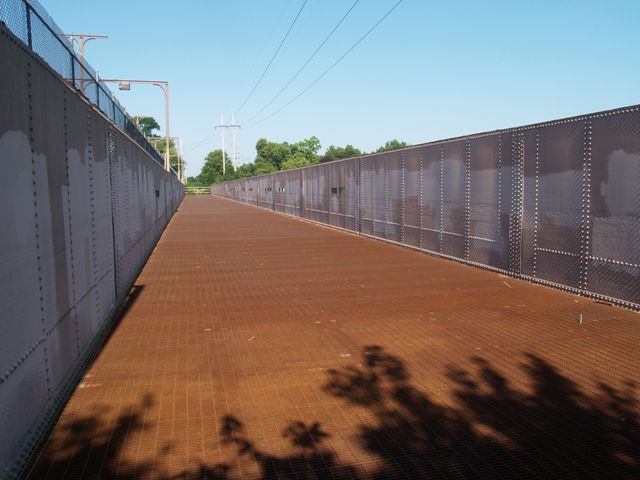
pixel 73 71
pixel 29 35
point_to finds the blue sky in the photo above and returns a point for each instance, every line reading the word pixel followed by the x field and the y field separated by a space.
pixel 430 70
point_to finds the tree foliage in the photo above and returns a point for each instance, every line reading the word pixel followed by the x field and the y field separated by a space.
pixel 274 156
pixel 148 125
pixel 161 146
pixel 336 153
pixel 392 145
pixel 212 169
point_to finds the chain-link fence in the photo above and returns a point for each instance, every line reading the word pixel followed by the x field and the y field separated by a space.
pixel 30 22
pixel 557 202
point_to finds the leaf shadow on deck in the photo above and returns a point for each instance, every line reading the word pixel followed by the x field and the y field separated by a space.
pixel 491 427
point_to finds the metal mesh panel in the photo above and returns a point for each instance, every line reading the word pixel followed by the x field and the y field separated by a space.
pixel 614 262
pixel 554 251
pixel 48 46
pixel 485 188
pixel 317 207
pixel 380 197
pixel 104 102
pixel 431 198
pixel 394 194
pixel 367 195
pixel 344 194
pixel 30 22
pixel 411 193
pixel 453 197
pixel 13 13
pixel 558 201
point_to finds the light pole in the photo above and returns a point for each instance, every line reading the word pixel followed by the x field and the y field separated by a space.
pixel 164 85
pixel 178 143
pixel 82 39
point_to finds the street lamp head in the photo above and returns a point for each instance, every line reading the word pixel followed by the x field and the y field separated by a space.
pixel 124 86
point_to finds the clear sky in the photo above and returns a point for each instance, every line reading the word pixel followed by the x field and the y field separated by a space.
pixel 430 70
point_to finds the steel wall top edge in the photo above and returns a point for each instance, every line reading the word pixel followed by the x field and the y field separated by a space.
pixel 37 58
pixel 472 136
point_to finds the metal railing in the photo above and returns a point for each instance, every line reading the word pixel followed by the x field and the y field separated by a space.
pixel 197 190
pixel 31 23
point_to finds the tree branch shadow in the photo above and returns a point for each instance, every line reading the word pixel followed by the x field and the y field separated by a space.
pixel 532 422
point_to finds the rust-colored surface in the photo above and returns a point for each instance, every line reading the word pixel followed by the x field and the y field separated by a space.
pixel 259 346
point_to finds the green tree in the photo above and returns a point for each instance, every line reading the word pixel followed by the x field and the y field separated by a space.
pixel 160 144
pixel 147 125
pixel 271 153
pixel 307 148
pixel 295 161
pixel 246 170
pixel 392 145
pixel 194 182
pixel 212 169
pixel 336 153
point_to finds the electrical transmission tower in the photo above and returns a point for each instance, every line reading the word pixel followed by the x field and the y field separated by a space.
pixel 233 126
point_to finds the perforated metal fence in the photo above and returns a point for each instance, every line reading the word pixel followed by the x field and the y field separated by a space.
pixel 556 203
pixel 31 23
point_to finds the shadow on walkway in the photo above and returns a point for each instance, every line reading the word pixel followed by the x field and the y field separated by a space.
pixel 491 429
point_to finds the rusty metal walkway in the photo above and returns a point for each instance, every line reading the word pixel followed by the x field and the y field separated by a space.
pixel 259 346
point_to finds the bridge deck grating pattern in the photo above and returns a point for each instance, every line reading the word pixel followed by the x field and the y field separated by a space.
pixel 257 346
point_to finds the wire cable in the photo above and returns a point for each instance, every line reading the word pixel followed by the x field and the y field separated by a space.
pixel 208 137
pixel 331 67
pixel 272 58
pixel 277 95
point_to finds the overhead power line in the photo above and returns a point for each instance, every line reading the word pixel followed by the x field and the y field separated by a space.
pixel 321 76
pixel 272 58
pixel 208 137
pixel 277 95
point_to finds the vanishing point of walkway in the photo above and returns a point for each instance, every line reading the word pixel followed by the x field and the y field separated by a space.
pixel 260 346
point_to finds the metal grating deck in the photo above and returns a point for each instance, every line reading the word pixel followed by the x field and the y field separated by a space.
pixel 258 346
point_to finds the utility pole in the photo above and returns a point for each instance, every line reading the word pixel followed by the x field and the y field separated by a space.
pixel 233 135
pixel 233 127
pixel 222 126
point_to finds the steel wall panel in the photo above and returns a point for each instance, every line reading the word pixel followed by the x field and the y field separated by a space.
pixel 24 394
pixel 347 193
pixel 104 275
pixel 20 297
pixel 412 197
pixel 557 201
pixel 394 195
pixel 320 196
pixel 335 185
pixel 367 195
pixel 308 187
pixel 51 197
pixel 431 194
pixel 58 208
pixel 614 250
pixel 553 253
pixel 279 192
pixel 80 214
pixel 378 198
pixel 453 197
pixel 485 198
pixel 351 172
